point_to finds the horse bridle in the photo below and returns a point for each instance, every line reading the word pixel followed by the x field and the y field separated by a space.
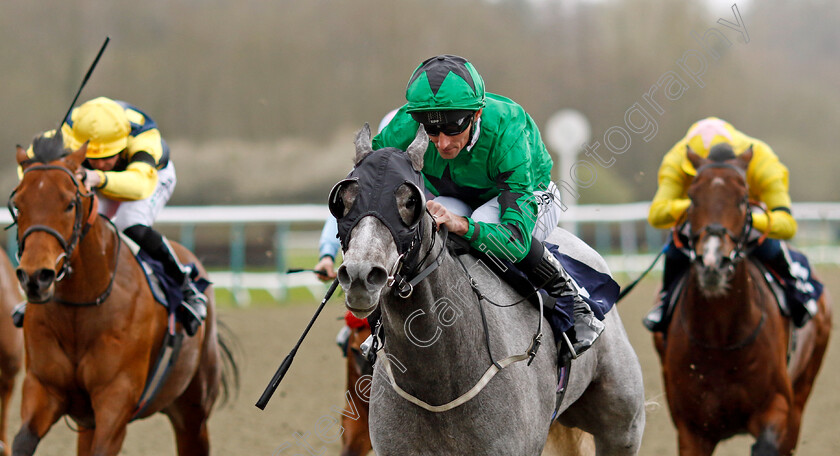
pixel 716 229
pixel 81 226
pixel 403 282
pixel 79 230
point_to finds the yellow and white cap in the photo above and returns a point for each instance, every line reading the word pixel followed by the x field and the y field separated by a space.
pixel 102 123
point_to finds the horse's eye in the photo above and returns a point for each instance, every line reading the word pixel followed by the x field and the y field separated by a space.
pixel 71 206
pixel 411 202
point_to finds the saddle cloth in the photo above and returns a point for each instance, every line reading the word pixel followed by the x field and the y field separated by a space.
pixel 165 289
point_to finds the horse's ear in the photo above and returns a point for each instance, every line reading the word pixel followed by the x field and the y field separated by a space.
pixel 75 159
pixel 745 157
pixel 417 148
pixel 22 159
pixel 696 160
pixel 363 144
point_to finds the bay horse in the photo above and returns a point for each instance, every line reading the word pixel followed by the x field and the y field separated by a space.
pixel 93 330
pixel 11 344
pixel 434 391
pixel 724 359
pixel 355 441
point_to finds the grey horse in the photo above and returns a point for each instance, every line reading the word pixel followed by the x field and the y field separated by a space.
pixel 453 377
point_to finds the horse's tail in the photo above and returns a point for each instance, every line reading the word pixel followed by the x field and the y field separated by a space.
pixel 228 344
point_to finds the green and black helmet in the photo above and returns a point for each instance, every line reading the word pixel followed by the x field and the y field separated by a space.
pixel 443 90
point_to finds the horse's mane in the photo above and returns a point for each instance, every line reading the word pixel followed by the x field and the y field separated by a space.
pixel 48 147
pixel 721 153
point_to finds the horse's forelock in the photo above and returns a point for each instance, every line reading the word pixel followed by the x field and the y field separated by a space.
pixel 721 153
pixel 47 148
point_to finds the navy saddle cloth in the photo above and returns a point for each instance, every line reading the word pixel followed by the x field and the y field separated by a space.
pixel 165 289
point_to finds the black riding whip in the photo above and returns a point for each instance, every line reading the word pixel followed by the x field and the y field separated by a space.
pixel 281 371
pixel 296 270
pixel 85 80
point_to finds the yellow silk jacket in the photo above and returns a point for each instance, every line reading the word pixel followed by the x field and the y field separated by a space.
pixel 767 178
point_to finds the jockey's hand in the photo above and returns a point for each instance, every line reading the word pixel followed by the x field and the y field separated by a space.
pixel 89 177
pixel 456 224
pixel 327 265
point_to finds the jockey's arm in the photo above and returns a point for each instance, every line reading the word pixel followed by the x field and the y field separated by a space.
pixel 670 202
pixel 509 239
pixel 138 181
pixel 328 247
pixel 768 180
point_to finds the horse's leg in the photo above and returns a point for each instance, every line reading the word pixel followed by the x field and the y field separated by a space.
pixel 692 444
pixel 567 441
pixel 771 427
pixel 354 420
pixel 39 410
pixel 189 421
pixel 8 371
pixel 189 413
pixel 113 409
pixel 767 444
pixel 84 442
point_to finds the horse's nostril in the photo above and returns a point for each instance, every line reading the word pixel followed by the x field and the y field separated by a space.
pixel 21 275
pixel 343 276
pixel 46 275
pixel 377 277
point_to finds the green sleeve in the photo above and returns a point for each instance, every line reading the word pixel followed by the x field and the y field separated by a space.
pixel 509 239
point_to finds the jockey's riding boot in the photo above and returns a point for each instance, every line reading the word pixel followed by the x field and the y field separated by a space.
pixel 193 308
pixel 794 279
pixel 342 338
pixel 17 314
pixel 546 272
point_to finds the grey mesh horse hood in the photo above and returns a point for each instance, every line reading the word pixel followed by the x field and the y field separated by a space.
pixel 379 174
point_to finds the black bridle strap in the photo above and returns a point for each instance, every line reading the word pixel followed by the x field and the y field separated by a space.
pixel 434 265
pixel 104 295
pixel 405 287
pixel 740 171
pixel 47 229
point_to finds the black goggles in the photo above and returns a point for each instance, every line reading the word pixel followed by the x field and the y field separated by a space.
pixel 438 122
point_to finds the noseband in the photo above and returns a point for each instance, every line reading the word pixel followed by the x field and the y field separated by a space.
pixel 716 229
pixel 79 229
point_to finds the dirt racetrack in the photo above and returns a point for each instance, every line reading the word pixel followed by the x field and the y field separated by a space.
pixel 309 398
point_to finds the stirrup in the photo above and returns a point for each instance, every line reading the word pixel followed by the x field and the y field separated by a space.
pixel 571 353
pixel 189 319
pixel 194 298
